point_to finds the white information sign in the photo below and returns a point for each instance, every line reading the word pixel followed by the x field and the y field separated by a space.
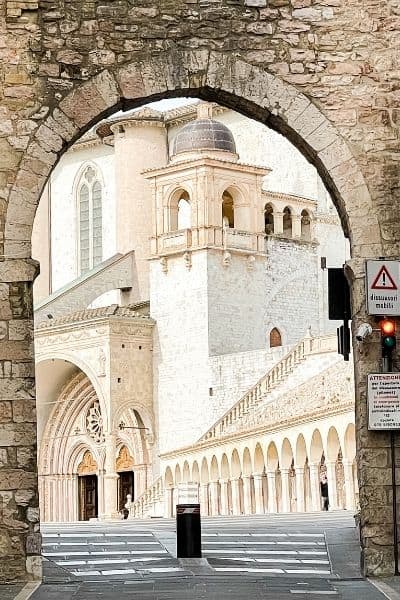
pixel 384 401
pixel 383 287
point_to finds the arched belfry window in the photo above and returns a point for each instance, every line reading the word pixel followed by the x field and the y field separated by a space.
pixel 90 195
pixel 180 211
pixel 269 219
pixel 228 211
pixel 275 338
pixel 184 214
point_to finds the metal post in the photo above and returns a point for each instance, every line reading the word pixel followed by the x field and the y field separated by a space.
pixel 394 495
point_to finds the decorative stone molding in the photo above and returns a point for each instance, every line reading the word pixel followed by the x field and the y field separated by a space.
pixel 94 423
pixel 88 466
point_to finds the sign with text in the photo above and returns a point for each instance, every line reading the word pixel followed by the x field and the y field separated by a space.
pixel 383 287
pixel 384 401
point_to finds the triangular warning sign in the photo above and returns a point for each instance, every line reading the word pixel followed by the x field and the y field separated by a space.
pixel 383 281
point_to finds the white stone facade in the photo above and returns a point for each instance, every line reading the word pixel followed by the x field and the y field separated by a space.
pixel 212 288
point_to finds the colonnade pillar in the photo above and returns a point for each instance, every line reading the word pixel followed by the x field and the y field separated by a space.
pixel 278 222
pixel 224 497
pixel 214 501
pixel 315 487
pixel 272 504
pixel 235 489
pixel 296 226
pixel 300 504
pixel 247 502
pixel 285 490
pixel 168 498
pixel 332 486
pixel 258 494
pixel 203 497
pixel 349 487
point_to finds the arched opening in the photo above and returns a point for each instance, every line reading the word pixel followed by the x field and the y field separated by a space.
pixel 179 211
pixel 184 214
pixel 264 329
pixel 275 338
pixel 126 482
pixel 269 219
pixel 287 222
pixel 305 226
pixel 87 487
pixel 228 211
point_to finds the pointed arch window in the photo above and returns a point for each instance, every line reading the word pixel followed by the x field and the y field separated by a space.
pixel 90 196
pixel 275 338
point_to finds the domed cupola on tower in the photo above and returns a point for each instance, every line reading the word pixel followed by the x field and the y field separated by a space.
pixel 204 135
pixel 204 197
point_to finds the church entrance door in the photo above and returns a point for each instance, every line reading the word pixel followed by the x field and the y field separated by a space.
pixel 126 486
pixel 87 497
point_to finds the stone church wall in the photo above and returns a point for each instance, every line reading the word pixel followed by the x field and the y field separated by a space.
pixel 236 303
pixel 178 304
pixel 64 215
pixel 291 289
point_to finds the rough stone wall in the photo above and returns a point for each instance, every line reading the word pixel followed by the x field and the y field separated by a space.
pixel 323 73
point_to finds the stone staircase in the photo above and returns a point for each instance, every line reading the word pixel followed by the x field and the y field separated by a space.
pixel 308 359
pixel 150 503
pixel 310 350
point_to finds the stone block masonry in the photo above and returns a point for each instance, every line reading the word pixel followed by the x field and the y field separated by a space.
pixel 324 74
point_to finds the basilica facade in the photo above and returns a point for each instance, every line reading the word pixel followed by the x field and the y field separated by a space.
pixel 182 341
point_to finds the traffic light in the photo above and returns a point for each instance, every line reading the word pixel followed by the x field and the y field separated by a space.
pixel 388 341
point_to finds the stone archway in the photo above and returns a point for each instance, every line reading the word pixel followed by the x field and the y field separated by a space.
pixel 211 75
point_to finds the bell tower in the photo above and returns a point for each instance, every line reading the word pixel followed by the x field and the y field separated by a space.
pixel 207 270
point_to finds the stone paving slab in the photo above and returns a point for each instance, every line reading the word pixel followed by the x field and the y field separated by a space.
pixel 212 588
pixel 8 592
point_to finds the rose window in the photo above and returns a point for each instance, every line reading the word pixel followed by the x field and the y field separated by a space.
pixel 94 423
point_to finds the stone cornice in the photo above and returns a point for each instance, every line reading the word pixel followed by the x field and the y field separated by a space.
pixel 290 197
pixel 93 318
pixel 317 415
pixel 204 161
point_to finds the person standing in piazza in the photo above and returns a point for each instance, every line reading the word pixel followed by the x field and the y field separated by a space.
pixel 324 492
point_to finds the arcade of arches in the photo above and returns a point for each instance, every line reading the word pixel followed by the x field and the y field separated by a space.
pixel 323 74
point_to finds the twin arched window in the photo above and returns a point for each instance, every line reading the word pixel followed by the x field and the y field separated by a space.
pixel 90 194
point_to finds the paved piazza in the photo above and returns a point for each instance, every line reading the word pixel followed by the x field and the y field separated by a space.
pixel 280 556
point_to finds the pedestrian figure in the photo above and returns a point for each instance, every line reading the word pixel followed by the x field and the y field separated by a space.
pixel 324 492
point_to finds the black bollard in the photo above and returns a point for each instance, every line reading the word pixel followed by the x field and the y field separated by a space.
pixel 188 531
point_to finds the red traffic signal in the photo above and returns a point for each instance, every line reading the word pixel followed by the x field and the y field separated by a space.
pixel 388 340
pixel 387 327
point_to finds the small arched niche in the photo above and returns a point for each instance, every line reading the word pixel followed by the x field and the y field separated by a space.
pixel 269 219
pixel 275 338
pixel 305 225
pixel 228 211
pixel 287 222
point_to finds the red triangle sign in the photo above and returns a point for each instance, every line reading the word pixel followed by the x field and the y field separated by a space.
pixel 383 281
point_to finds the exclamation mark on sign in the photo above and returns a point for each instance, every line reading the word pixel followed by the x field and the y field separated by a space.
pixel 383 278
